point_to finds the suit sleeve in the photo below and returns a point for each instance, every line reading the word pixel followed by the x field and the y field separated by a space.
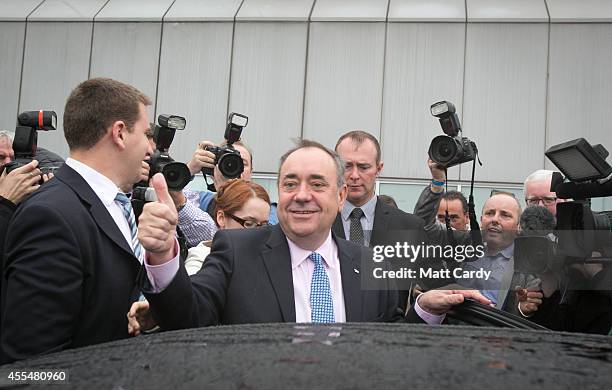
pixel 199 300
pixel 43 277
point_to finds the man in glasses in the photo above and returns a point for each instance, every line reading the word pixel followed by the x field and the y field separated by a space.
pixel 537 191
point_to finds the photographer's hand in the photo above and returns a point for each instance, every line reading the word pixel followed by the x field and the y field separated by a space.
pixel 157 224
pixel 144 170
pixel 437 174
pixel 201 158
pixel 529 301
pixel 20 182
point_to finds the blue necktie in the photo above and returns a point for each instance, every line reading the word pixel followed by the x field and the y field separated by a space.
pixel 321 303
pixel 128 213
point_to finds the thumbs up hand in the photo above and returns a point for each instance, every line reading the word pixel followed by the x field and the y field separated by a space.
pixel 157 224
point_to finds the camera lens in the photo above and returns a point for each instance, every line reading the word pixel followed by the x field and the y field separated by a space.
pixel 177 175
pixel 231 165
pixel 443 149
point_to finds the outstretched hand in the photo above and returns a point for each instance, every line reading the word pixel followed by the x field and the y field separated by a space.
pixel 139 318
pixel 439 302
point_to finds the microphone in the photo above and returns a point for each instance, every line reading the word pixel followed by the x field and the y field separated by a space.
pixel 537 221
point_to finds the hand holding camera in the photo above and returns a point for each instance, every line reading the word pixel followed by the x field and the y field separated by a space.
pixel 437 171
pixel 202 158
pixel 20 182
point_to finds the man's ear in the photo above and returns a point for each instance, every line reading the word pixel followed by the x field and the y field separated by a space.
pixel 379 168
pixel 342 196
pixel 118 132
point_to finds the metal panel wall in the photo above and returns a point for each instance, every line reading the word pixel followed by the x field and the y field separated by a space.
pixel 11 47
pixel 344 79
pixel 128 52
pixel 126 44
pixel 268 85
pixel 194 81
pixel 13 14
pixel 56 60
pixel 194 69
pixel 504 107
pixel 423 65
pixel 579 85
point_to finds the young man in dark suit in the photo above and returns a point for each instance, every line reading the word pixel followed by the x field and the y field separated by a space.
pixel 297 271
pixel 72 262
pixel 365 219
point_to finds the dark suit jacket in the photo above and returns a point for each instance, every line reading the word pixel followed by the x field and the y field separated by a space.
pixel 390 225
pixel 388 218
pixel 247 278
pixel 69 274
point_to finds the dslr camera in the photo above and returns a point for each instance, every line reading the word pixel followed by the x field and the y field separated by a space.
pixel 26 138
pixel 450 149
pixel 176 173
pixel 227 158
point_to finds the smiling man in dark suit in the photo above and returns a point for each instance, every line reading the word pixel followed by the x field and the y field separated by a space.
pixel 297 271
pixel 72 263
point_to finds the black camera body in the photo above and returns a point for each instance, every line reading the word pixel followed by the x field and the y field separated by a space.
pixel 227 158
pixel 177 174
pixel 450 149
pixel 26 138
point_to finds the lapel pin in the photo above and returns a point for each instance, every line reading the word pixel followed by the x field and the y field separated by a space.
pixel 356 270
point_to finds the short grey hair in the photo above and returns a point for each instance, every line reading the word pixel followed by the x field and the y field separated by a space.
pixel 538 176
pixel 6 134
pixel 305 143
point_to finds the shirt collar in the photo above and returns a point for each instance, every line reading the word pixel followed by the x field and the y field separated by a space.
pixel 326 250
pixel 368 209
pixel 102 185
pixel 507 252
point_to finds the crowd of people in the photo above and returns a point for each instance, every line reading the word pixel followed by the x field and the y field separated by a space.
pixel 80 267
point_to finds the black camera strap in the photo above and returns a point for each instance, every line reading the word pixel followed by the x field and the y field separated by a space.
pixel 475 232
pixel 449 230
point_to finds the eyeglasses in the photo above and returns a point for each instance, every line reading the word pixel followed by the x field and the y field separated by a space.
pixel 247 223
pixel 546 200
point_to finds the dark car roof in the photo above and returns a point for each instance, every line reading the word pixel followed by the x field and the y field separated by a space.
pixel 340 356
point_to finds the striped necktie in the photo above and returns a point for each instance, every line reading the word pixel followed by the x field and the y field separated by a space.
pixel 321 302
pixel 128 213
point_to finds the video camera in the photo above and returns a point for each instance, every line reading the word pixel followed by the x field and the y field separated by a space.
pixel 26 138
pixel 450 149
pixel 579 231
pixel 227 158
pixel 176 173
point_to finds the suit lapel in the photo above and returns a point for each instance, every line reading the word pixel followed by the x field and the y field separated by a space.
pixel 381 223
pixel 351 281
pixel 337 227
pixel 98 211
pixel 277 260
